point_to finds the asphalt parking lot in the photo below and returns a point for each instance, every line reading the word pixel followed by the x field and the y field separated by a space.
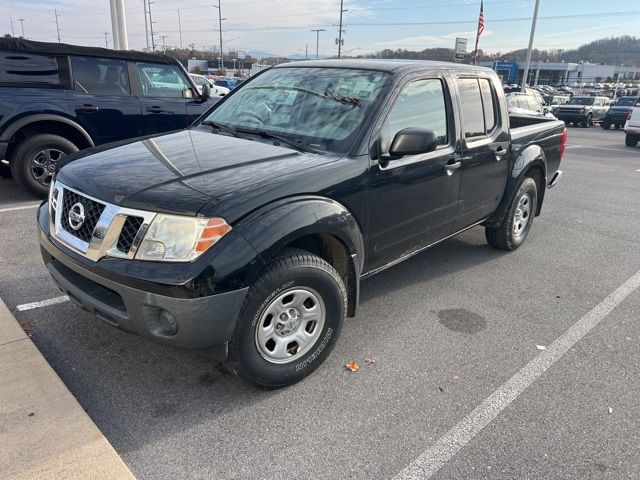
pixel 447 330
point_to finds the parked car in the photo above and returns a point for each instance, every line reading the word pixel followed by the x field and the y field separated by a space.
pixel 252 229
pixel 201 80
pixel 56 99
pixel 583 110
pixel 617 113
pixel 553 101
pixel 529 91
pixel 524 104
pixel 632 126
pixel 228 82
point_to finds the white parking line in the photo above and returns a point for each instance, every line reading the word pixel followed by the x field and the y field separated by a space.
pixel 427 464
pixel 23 207
pixel 600 148
pixel 43 303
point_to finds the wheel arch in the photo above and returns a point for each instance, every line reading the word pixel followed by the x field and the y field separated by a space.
pixel 319 225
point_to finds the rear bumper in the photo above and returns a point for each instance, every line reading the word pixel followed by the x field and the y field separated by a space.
pixel 181 322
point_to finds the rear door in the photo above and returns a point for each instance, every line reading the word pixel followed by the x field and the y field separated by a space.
pixel 486 150
pixel 101 99
pixel 414 199
pixel 163 97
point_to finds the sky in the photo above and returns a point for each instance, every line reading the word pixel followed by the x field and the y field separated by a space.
pixel 283 26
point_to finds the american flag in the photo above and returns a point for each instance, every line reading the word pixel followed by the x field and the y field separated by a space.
pixel 481 20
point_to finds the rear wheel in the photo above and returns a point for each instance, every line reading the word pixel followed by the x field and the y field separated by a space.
pixel 516 225
pixel 289 321
pixel 36 160
pixel 587 121
pixel 606 124
pixel 631 141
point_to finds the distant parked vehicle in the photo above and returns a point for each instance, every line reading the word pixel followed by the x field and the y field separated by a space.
pixel 524 104
pixel 56 99
pixel 201 80
pixel 228 82
pixel 529 91
pixel 554 101
pixel 583 110
pixel 632 126
pixel 617 113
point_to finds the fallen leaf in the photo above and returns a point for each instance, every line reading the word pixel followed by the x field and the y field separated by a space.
pixel 441 389
pixel 541 347
pixel 370 360
pixel 456 377
pixel 352 366
pixel 610 410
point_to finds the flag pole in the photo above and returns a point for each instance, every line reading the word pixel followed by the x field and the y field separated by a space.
pixel 480 18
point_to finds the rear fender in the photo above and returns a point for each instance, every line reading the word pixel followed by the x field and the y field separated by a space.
pixel 531 157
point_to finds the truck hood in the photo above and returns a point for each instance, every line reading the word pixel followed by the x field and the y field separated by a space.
pixel 182 171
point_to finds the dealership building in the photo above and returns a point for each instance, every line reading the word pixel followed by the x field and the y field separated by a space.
pixel 547 73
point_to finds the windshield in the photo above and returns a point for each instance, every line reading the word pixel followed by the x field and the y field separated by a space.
pixel 626 102
pixel 581 101
pixel 323 108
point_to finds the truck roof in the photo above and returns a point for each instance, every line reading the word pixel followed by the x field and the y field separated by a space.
pixel 30 46
pixel 387 65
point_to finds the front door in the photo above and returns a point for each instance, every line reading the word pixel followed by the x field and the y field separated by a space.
pixel 163 97
pixel 101 99
pixel 485 164
pixel 414 199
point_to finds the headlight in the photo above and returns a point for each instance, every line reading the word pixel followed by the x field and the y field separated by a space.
pixel 174 238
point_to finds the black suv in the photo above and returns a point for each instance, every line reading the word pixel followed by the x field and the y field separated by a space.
pixel 56 99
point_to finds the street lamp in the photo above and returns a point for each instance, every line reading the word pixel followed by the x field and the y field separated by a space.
pixel 317 30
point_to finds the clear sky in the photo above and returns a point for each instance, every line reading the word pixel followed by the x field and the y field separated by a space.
pixel 282 26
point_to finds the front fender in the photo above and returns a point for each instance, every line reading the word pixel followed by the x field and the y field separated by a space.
pixel 276 225
pixel 531 157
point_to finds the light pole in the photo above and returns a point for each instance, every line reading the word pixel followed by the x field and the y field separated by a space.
pixel 164 48
pixel 180 29
pixel 533 33
pixel 219 7
pixel 317 30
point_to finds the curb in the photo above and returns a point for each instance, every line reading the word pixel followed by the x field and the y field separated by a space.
pixel 44 432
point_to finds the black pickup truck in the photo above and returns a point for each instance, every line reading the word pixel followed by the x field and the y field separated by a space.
pixel 252 229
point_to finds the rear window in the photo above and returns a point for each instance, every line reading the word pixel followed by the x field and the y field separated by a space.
pixel 29 69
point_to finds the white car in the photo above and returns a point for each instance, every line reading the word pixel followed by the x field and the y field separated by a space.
pixel 632 127
pixel 216 90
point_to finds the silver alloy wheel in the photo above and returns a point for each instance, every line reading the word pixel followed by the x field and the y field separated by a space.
pixel 522 215
pixel 290 325
pixel 44 165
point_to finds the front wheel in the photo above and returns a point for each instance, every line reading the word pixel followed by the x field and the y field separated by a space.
pixel 606 124
pixel 516 225
pixel 289 321
pixel 631 140
pixel 588 121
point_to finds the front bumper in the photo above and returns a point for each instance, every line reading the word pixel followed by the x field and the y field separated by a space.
pixel 571 116
pixel 190 323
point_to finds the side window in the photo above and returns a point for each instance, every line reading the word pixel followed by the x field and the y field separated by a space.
pixel 420 104
pixel 27 68
pixel 489 105
pixel 472 112
pixel 100 76
pixel 161 80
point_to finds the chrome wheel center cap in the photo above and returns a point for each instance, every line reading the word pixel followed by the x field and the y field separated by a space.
pixel 288 321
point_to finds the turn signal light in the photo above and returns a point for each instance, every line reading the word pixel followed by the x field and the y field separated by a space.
pixel 214 230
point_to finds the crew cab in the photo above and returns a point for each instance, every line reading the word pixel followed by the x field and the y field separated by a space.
pixel 252 229
pixel 632 126
pixel 56 99
pixel 583 111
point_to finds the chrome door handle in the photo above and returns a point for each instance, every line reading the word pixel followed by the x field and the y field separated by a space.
pixel 450 168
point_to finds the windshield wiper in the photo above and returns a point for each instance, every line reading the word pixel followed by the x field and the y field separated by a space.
pixel 223 127
pixel 293 142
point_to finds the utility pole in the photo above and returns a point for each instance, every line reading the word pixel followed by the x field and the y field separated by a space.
pixel 317 30
pixel 106 40
pixel 306 52
pixel 180 29
pixel 342 10
pixel 153 41
pixel 533 33
pixel 219 7
pixel 146 27
pixel 119 25
pixel 13 34
pixel 21 20
pixel 164 48
pixel 57 26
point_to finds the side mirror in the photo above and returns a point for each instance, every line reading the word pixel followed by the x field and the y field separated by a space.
pixel 206 92
pixel 187 93
pixel 413 141
pixel 545 110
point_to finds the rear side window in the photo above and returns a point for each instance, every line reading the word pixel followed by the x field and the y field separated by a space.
pixel 472 112
pixel 488 104
pixel 420 104
pixel 27 68
pixel 100 76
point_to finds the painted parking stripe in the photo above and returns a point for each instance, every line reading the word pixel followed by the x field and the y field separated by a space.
pixel 23 207
pixel 427 464
pixel 43 303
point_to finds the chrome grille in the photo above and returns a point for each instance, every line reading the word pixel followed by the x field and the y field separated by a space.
pixel 129 232
pixel 92 212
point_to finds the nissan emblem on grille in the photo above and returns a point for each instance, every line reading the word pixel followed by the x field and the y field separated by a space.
pixel 76 216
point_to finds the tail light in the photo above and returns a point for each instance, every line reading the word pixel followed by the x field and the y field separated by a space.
pixel 563 142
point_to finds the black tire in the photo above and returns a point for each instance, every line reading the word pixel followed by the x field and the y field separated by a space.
pixel 618 126
pixel 5 171
pixel 631 140
pixel 504 237
pixel 587 121
pixel 28 150
pixel 606 124
pixel 292 269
